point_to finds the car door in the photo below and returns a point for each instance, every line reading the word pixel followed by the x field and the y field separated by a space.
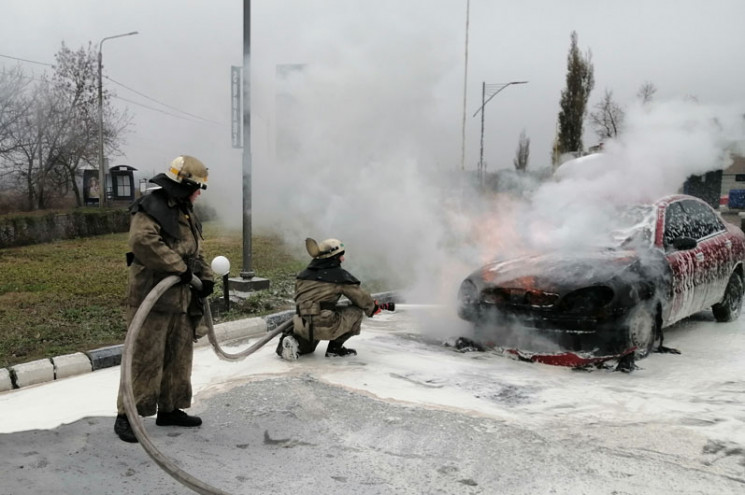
pixel 713 253
pixel 682 262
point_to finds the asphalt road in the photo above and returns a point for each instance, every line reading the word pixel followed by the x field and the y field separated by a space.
pixel 410 416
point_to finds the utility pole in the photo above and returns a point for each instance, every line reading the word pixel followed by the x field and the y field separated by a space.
pixel 101 167
pixel 248 281
pixel 493 90
pixel 480 172
pixel 465 93
pixel 247 271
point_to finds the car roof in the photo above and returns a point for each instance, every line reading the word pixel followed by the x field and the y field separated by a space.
pixel 666 200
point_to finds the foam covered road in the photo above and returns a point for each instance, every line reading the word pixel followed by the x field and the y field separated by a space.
pixel 409 416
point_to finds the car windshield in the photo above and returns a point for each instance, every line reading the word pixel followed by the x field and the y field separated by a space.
pixel 633 227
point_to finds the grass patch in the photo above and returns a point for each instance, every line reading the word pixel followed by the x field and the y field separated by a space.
pixel 69 296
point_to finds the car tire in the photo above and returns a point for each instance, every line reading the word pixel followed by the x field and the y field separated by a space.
pixel 468 302
pixel 642 330
pixel 469 313
pixel 729 308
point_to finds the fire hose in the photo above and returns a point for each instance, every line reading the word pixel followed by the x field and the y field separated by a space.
pixel 126 379
pixel 130 407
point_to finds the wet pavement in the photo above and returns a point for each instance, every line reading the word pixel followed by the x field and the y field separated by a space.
pixel 408 415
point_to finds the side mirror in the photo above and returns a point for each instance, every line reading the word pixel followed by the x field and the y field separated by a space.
pixel 684 243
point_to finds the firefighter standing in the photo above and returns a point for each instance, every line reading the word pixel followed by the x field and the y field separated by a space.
pixel 165 238
pixel 318 289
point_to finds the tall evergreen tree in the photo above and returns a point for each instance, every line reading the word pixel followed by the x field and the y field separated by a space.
pixel 580 80
pixel 522 154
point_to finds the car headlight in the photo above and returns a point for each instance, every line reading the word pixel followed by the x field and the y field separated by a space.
pixel 468 294
pixel 587 300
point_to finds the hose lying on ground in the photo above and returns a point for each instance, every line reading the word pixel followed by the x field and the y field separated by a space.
pixel 222 354
pixel 126 380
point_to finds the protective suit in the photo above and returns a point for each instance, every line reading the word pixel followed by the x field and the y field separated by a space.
pixel 318 289
pixel 317 293
pixel 165 238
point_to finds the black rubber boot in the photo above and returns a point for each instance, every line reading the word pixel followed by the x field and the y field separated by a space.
pixel 279 345
pixel 335 349
pixel 124 429
pixel 627 363
pixel 464 344
pixel 177 417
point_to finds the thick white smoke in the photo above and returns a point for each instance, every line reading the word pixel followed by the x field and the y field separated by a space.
pixel 405 221
pixel 662 145
pixel 361 141
pixel 359 144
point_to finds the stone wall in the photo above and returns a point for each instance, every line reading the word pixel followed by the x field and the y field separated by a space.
pixel 23 230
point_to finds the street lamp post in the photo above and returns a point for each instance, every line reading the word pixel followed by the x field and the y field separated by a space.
pixel 101 171
pixel 248 281
pixel 465 93
pixel 493 90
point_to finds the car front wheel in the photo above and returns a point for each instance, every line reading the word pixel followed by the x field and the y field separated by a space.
pixel 468 302
pixel 729 308
pixel 642 330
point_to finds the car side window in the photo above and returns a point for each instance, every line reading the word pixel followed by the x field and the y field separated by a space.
pixel 703 220
pixel 676 224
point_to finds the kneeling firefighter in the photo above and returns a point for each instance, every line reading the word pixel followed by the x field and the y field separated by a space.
pixel 318 317
pixel 165 238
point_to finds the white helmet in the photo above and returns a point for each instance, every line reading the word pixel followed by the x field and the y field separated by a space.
pixel 189 170
pixel 326 249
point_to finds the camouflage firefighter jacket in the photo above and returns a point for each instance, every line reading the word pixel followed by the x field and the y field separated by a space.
pixel 165 238
pixel 318 289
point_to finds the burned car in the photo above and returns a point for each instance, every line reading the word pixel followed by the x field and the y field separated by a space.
pixel 664 262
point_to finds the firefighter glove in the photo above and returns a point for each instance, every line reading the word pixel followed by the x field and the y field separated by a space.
pixel 186 276
pixel 208 287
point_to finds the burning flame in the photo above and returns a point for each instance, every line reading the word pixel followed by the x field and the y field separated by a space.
pixel 500 230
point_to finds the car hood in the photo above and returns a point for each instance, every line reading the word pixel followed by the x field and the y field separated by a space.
pixel 557 271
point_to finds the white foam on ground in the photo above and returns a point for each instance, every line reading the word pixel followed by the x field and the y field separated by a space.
pixel 702 388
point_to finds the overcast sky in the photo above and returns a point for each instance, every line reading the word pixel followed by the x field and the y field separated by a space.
pixel 184 50
pixel 382 95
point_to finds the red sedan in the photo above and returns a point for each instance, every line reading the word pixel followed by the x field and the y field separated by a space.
pixel 664 262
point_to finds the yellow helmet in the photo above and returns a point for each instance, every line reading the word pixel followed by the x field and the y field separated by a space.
pixel 189 170
pixel 324 249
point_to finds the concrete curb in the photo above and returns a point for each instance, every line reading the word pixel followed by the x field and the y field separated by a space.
pixel 234 330
pixel 105 357
pixel 47 370
pixel 71 365
pixel 5 382
pixel 31 373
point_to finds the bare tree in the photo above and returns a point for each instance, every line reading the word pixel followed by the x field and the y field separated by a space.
pixel 30 135
pixel 646 92
pixel 580 80
pixel 12 85
pixel 523 153
pixel 607 120
pixel 57 131
pixel 76 86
